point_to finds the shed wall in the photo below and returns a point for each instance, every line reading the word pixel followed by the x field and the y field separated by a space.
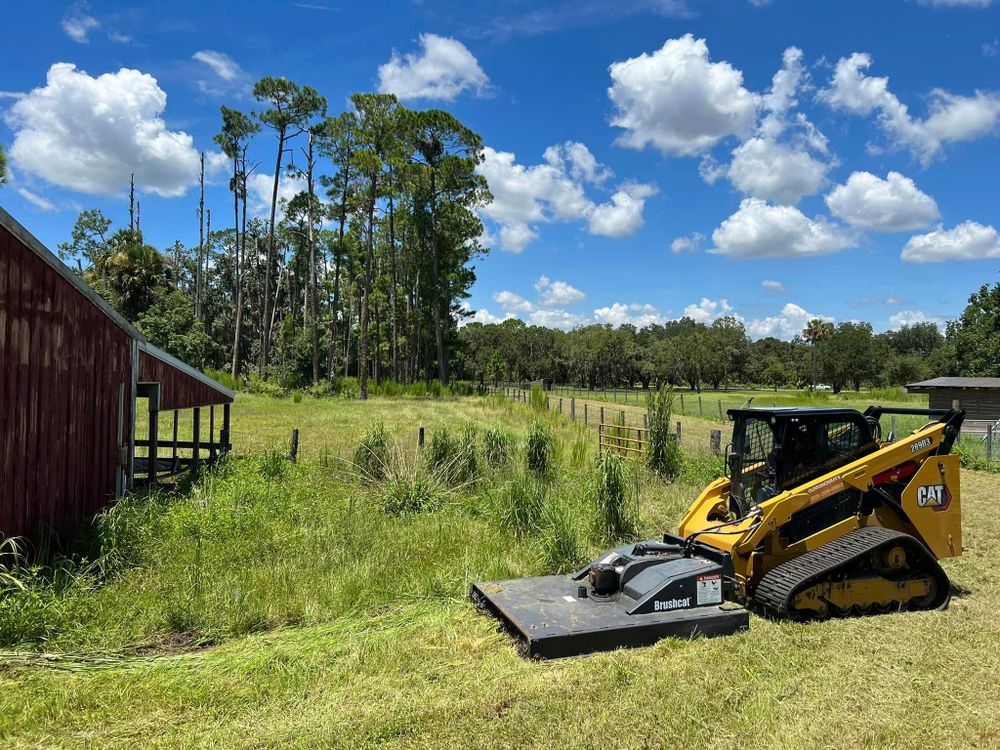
pixel 63 363
pixel 178 390
pixel 978 404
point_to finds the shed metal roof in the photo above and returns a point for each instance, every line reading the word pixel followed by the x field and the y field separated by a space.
pixel 956 383
pixel 29 240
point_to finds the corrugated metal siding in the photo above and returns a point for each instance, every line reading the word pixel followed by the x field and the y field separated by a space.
pixel 178 390
pixel 62 363
pixel 978 404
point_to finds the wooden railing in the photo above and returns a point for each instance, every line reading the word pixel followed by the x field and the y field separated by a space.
pixel 621 438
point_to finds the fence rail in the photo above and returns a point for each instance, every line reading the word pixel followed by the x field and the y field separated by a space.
pixel 619 438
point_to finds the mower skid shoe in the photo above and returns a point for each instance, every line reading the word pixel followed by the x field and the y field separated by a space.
pixel 551 621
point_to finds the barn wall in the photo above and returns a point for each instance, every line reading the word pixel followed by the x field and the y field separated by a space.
pixel 978 403
pixel 178 390
pixel 62 363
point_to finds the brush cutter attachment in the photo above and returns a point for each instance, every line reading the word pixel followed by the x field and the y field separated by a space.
pixel 631 596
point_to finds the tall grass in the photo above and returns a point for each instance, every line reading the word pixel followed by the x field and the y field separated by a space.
pixel 540 448
pixel 538 400
pixel 615 499
pixel 498 447
pixel 373 456
pixel 663 453
pixel 520 503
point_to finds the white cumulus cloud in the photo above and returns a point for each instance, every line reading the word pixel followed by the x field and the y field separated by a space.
pixel 708 310
pixel 760 230
pixel 775 171
pixel 951 118
pixel 785 325
pixel 894 204
pixel 260 187
pixel 442 69
pixel 513 303
pixel 78 23
pixel 967 241
pixel 773 287
pixel 38 201
pixel 557 292
pixel 221 64
pixel 688 244
pixel 89 134
pixel 623 215
pixel 635 314
pixel 679 101
pixel 911 317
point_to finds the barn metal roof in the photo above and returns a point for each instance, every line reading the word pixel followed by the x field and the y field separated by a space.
pixel 956 383
pixel 29 240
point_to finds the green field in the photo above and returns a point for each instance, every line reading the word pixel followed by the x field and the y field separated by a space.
pixel 272 605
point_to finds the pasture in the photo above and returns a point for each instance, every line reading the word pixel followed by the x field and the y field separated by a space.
pixel 294 606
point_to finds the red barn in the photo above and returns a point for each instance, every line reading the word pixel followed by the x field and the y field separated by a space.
pixel 71 372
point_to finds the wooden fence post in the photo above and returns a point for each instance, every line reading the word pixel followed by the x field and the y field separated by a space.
pixel 584 413
pixel 720 410
pixel 560 405
pixel 645 421
pixel 623 416
pixel 678 431
pixel 716 436
pixel 602 415
pixel 293 455
pixel 701 410
pixel 420 436
pixel 225 437
pixel 211 434
pixel 196 441
pixel 682 403
pixel 572 409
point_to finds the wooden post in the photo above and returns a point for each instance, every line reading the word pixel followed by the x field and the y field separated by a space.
pixel 212 455
pixel 678 431
pixel 989 442
pixel 602 415
pixel 173 453
pixel 154 432
pixel 720 410
pixel 701 410
pixel 682 403
pixel 623 416
pixel 293 454
pixel 572 409
pixel 584 413
pixel 645 421
pixel 716 436
pixel 420 437
pixel 224 436
pixel 560 405
pixel 196 441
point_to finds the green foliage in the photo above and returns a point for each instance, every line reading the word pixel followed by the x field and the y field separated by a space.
pixel 540 449
pixel 663 454
pixel 443 455
pixel 3 165
pixel 373 456
pixel 224 378
pixel 409 489
pixel 615 499
pixel 467 460
pixel 976 334
pixel 538 400
pixel 499 446
pixel 520 503
pixel 170 324
pixel 10 564
pixel 256 384
pixel 562 550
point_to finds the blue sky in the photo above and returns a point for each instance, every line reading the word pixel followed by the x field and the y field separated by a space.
pixel 649 158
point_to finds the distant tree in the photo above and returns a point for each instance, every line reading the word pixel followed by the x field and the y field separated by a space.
pixel 817 330
pixel 171 324
pixel 846 355
pixel 90 235
pixel 976 334
pixel 775 373
pixel 130 274
pixel 3 165
pixel 915 338
pixel 290 108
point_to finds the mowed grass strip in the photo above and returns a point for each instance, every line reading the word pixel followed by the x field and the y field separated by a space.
pixel 311 618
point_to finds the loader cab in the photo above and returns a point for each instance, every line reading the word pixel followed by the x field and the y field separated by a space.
pixel 774 450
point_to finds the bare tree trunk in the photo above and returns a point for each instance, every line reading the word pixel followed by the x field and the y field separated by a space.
pixel 366 290
pixel 313 306
pixel 393 306
pixel 267 322
pixel 201 238
pixel 237 280
pixel 436 289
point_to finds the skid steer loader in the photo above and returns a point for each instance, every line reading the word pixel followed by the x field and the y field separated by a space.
pixel 816 516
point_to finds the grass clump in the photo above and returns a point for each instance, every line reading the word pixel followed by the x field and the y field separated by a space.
pixel 498 446
pixel 410 489
pixel 521 503
pixel 540 449
pixel 615 501
pixel 443 455
pixel 561 548
pixel 467 463
pixel 373 456
pixel 538 400
pixel 663 454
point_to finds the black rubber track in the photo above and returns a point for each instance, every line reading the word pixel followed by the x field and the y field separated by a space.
pixel 779 586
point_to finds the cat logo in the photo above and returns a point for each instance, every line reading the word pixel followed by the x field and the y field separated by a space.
pixel 934 496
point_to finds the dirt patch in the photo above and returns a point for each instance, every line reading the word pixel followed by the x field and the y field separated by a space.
pixel 176 643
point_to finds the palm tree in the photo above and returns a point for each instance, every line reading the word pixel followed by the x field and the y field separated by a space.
pixel 816 330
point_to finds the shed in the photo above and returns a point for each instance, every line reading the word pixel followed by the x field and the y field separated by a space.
pixel 979 397
pixel 72 375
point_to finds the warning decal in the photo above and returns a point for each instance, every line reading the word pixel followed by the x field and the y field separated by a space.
pixel 708 590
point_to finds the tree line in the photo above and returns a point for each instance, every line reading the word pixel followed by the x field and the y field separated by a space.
pixel 686 353
pixel 363 272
